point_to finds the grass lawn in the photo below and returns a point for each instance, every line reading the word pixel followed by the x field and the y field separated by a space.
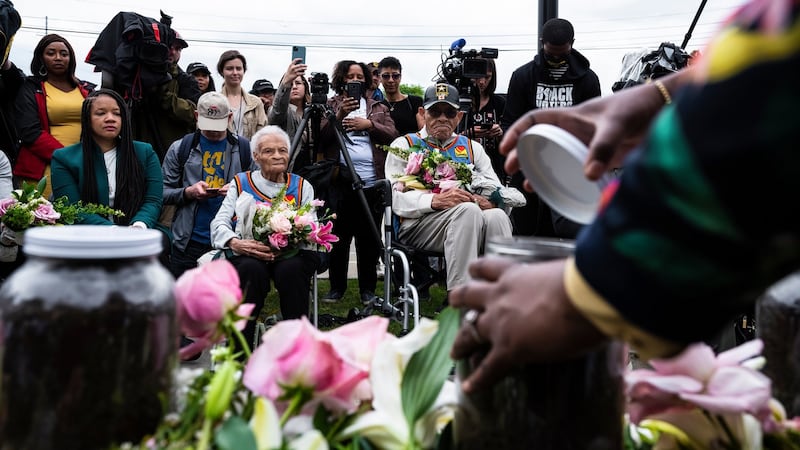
pixel 351 300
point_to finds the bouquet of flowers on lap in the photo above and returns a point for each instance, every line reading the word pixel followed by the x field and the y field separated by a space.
pixel 285 226
pixel 27 208
pixel 701 401
pixel 430 170
pixel 354 387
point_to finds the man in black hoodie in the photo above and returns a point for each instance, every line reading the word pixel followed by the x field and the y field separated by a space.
pixel 558 76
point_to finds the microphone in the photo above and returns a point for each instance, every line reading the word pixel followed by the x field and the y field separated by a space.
pixel 458 45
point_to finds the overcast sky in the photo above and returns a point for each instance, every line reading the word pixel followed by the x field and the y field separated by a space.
pixel 415 31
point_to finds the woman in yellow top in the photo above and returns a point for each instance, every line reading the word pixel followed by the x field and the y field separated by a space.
pixel 248 111
pixel 48 108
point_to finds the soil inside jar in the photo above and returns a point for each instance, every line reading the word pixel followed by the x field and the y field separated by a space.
pixel 84 378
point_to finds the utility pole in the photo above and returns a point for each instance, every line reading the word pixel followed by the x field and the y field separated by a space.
pixel 548 9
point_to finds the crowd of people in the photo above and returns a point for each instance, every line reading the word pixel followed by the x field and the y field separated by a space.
pixel 179 161
pixel 175 152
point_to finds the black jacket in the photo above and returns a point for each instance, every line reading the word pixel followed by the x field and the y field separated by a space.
pixel 532 87
pixel 10 82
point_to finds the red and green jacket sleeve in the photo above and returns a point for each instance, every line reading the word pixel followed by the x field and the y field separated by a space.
pixel 704 217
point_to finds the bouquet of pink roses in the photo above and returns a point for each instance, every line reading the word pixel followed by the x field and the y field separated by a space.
pixel 285 226
pixel 355 387
pixel 430 170
pixel 27 208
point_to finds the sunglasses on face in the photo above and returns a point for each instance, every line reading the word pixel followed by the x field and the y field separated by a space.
pixel 375 73
pixel 394 76
pixel 450 113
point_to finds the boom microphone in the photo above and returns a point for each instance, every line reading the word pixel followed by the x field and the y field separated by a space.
pixel 458 45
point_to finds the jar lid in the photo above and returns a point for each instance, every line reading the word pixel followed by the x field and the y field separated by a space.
pixel 91 242
pixel 552 160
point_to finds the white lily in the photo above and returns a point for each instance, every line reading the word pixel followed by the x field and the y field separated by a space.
pixel 266 425
pixel 310 440
pixel 386 425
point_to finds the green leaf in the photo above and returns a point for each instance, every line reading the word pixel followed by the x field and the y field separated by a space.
pixel 234 434
pixel 428 369
pixel 41 185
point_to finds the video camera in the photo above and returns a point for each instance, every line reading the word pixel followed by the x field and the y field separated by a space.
pixel 466 64
pixel 319 88
pixel 463 66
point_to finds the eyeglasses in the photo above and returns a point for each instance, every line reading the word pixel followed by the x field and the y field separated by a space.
pixel 450 113
pixel 394 76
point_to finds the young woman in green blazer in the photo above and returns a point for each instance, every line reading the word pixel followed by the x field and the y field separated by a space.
pixel 108 167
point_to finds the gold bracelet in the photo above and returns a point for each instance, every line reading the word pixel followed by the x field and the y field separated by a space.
pixel 663 90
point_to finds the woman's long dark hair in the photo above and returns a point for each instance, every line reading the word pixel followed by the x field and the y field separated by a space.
pixel 340 71
pixel 130 172
pixel 492 86
pixel 37 63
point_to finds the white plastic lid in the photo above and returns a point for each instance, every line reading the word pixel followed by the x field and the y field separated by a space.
pixel 91 242
pixel 552 160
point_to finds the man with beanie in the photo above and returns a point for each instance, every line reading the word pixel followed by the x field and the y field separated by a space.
pixel 558 76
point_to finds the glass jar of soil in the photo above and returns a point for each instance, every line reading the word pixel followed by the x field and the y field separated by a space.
pixel 89 339
pixel 566 405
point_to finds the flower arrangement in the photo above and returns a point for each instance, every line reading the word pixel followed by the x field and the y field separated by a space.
pixel 27 208
pixel 430 170
pixel 285 226
pixel 701 401
pixel 354 387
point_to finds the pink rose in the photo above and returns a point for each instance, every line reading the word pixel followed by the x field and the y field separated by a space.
pixel 414 163
pixel 303 220
pixel 279 223
pixel 321 235
pixel 278 240
pixel 427 177
pixel 316 203
pixel 293 355
pixel 445 171
pixel 203 296
pixel 7 203
pixel 46 213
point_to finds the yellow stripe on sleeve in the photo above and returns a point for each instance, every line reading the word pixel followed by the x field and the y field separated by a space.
pixel 609 321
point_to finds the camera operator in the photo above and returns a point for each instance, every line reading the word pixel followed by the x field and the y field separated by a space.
pixel 487 108
pixel 167 112
pixel 368 125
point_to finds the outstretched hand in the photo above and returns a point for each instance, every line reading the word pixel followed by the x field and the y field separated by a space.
pixel 610 126
pixel 296 69
pixel 525 317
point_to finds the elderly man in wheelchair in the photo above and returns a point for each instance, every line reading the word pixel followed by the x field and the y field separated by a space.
pixel 432 214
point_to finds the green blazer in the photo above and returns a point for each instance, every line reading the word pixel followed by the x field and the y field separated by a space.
pixel 68 175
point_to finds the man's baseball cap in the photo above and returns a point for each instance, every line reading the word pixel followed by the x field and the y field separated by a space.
pixel 441 93
pixel 197 67
pixel 261 86
pixel 213 110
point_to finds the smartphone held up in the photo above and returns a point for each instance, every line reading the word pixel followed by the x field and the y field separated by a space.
pixel 299 52
pixel 353 89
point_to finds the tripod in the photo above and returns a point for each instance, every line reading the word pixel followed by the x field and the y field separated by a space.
pixel 312 118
